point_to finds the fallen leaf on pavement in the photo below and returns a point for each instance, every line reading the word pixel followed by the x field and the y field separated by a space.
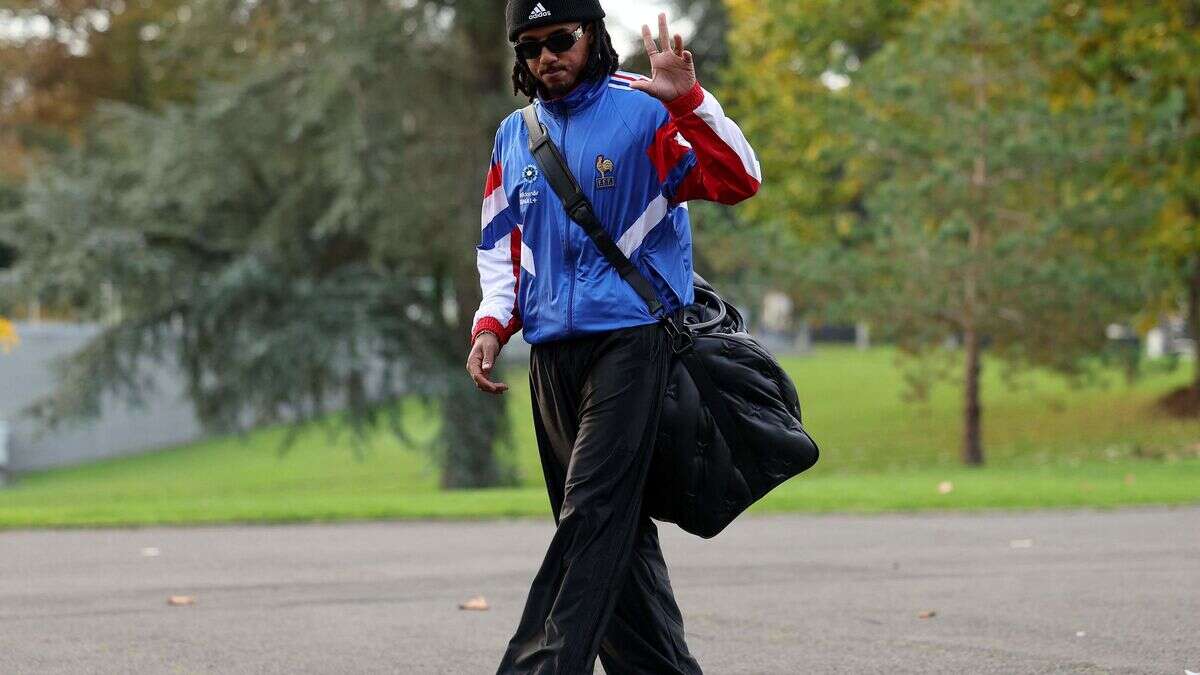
pixel 150 552
pixel 180 600
pixel 476 604
pixel 927 614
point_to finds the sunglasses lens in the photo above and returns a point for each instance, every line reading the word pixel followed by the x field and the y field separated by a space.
pixel 529 50
pixel 560 43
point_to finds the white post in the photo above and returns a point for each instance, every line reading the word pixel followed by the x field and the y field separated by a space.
pixel 804 338
pixel 3 452
pixel 1156 344
pixel 862 336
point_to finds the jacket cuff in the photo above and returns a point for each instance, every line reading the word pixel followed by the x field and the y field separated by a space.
pixel 489 325
pixel 688 102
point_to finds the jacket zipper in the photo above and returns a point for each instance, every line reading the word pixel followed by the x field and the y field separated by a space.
pixel 567 238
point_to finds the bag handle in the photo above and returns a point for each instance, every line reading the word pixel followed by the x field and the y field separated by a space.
pixel 579 209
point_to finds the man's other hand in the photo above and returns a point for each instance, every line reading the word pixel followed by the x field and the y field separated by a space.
pixel 482 360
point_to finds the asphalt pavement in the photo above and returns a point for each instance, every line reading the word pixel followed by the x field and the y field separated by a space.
pixel 1044 592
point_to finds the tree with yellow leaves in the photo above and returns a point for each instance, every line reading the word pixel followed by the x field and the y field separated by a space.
pixel 8 336
pixel 1149 54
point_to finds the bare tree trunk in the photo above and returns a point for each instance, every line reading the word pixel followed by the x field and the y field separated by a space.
pixel 475 425
pixel 972 450
pixel 1193 317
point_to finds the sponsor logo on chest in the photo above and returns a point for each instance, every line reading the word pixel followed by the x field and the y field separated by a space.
pixel 529 176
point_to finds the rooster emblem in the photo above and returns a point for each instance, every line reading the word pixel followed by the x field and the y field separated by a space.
pixel 604 167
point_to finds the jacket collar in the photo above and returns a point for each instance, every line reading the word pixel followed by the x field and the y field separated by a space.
pixel 584 95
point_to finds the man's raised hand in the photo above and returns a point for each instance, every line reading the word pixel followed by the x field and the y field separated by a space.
pixel 672 72
pixel 481 361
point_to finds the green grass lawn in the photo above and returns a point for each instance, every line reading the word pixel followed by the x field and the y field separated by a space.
pixel 1048 445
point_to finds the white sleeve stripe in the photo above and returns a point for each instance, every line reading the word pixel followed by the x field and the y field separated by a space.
pixel 527 259
pixel 493 205
pixel 636 234
pixel 497 282
pixel 728 131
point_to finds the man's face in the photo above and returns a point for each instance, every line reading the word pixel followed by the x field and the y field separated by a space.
pixel 558 73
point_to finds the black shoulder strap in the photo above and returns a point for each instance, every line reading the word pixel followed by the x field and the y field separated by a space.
pixel 579 209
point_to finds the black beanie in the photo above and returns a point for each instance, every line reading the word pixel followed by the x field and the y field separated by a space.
pixel 525 14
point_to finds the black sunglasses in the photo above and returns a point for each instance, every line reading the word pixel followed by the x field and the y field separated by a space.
pixel 557 43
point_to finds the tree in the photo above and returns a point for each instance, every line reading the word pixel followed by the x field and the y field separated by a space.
pixel 299 237
pixel 77 53
pixel 1149 53
pixel 938 189
pixel 788 83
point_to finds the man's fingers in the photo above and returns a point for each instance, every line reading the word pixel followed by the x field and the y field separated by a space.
pixel 664 33
pixel 679 45
pixel 487 386
pixel 490 352
pixel 648 41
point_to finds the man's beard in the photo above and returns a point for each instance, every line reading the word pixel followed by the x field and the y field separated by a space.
pixel 556 90
pixel 559 91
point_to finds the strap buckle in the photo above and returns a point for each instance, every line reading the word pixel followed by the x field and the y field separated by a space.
pixel 580 210
pixel 682 340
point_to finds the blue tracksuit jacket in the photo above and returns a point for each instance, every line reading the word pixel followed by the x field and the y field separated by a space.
pixel 639 161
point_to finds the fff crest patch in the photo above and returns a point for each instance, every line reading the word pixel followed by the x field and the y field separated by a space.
pixel 605 169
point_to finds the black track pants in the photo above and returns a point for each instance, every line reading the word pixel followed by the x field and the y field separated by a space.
pixel 603 586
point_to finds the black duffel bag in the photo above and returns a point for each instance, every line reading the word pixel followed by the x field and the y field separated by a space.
pixel 730 429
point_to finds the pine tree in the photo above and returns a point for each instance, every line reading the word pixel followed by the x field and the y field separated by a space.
pixel 302 236
pixel 996 221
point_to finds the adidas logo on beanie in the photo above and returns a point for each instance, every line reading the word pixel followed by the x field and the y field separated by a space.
pixel 521 15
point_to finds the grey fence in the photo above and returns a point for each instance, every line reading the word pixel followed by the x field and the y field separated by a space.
pixel 27 374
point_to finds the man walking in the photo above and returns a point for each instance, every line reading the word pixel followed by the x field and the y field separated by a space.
pixel 641 148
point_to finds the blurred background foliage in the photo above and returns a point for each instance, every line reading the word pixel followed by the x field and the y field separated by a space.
pixel 279 197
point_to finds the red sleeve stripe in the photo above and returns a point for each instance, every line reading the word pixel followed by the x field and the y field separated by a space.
pixel 667 150
pixel 495 178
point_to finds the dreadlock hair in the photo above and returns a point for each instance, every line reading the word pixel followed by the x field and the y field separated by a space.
pixel 602 62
